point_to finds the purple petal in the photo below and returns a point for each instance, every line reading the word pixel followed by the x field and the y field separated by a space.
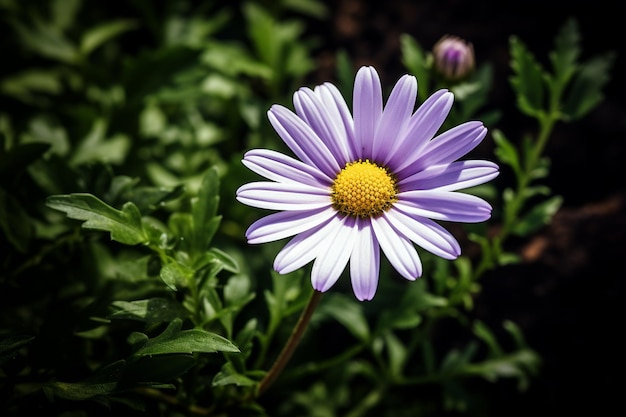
pixel 368 107
pixel 304 247
pixel 395 116
pixel 302 140
pixel 280 196
pixel 448 147
pixel 365 261
pixel 398 249
pixel 444 205
pixel 286 223
pixel 451 177
pixel 422 127
pixel 282 168
pixel 312 110
pixel 340 113
pixel 334 255
pixel 425 233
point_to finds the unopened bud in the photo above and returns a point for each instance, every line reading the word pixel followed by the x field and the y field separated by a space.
pixel 454 57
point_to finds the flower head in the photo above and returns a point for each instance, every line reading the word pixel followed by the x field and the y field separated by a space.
pixel 375 180
pixel 454 57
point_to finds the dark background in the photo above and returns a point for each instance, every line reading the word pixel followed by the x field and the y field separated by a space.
pixel 568 295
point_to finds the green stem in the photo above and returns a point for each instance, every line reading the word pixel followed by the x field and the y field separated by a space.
pixel 292 343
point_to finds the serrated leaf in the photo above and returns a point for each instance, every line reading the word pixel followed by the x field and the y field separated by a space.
pixel 125 225
pixel 175 340
pixel 586 89
pixel 566 52
pixel 527 80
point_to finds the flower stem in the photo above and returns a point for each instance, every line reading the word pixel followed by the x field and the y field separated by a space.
pixel 292 343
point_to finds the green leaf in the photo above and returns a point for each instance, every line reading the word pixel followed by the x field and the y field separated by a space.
pixel 566 52
pixel 229 376
pixel 527 81
pixel 226 261
pixel 237 290
pixel 313 8
pixel 506 151
pixel 175 274
pixel 397 354
pixel 26 84
pixel 150 311
pixel 347 312
pixel 175 340
pixel 417 63
pixel 155 370
pixel 47 41
pixel 586 89
pixel 538 216
pixel 103 382
pixel 63 13
pixel 204 210
pixel 97 147
pixel 482 331
pixel 11 344
pixel 125 225
pixel 104 32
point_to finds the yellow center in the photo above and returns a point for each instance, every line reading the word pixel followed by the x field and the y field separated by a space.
pixel 364 189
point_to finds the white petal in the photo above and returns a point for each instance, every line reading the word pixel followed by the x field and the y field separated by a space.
pixel 451 177
pixel 447 147
pixel 340 114
pixel 286 223
pixel 304 247
pixel 422 127
pixel 398 249
pixel 365 262
pixel 333 256
pixel 302 140
pixel 444 205
pixel 279 196
pixel 425 233
pixel 314 111
pixel 368 106
pixel 282 168
pixel 395 117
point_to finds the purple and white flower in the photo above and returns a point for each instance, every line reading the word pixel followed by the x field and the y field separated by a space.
pixel 377 179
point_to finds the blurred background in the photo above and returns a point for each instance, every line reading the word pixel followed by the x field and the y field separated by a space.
pixel 569 294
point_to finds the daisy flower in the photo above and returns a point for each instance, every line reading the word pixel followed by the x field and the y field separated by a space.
pixel 375 180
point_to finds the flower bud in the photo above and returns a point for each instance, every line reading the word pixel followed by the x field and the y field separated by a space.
pixel 454 57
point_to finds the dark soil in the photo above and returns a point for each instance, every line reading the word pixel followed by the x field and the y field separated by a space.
pixel 569 294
